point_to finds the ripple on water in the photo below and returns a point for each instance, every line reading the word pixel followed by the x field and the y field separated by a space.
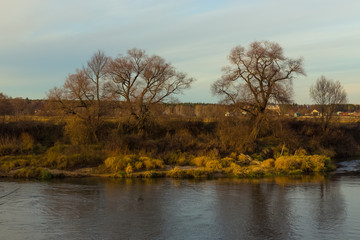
pixel 182 209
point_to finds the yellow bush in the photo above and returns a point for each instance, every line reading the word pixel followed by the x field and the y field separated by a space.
pixel 200 161
pixel 232 155
pixel 255 171
pixel 139 165
pixel 110 162
pixel 176 173
pixel 268 163
pixel 116 163
pixel 159 164
pixel 288 163
pixel 244 160
pixel 300 152
pixel 237 170
pixel 302 163
pixel 129 169
pixel 213 165
pixel 182 161
pixel 122 163
pixel 149 164
pixel 225 162
pixel 317 163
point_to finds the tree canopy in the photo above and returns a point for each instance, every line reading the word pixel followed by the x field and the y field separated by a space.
pixel 258 75
pixel 142 81
pixel 327 94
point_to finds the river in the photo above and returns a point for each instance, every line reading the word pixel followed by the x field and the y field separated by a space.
pixel 276 208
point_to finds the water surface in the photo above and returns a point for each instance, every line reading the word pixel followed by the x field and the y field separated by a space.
pixel 277 208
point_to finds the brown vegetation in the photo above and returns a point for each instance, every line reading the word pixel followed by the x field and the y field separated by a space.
pixel 113 116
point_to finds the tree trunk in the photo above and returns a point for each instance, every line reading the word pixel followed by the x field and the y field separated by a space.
pixel 256 127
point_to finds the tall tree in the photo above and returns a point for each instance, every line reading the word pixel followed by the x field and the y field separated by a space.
pixel 257 75
pixel 327 94
pixel 95 72
pixel 141 81
pixel 83 92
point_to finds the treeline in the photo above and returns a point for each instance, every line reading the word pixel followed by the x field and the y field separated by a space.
pixel 13 107
pixel 115 114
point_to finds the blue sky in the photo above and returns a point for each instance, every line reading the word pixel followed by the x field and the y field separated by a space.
pixel 42 41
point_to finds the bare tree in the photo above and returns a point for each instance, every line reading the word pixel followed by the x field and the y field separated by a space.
pixel 257 76
pixel 83 92
pixel 95 72
pixel 327 94
pixel 141 81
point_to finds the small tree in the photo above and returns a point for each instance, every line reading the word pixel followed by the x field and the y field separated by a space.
pixel 257 76
pixel 83 92
pixel 141 81
pixel 327 94
pixel 6 108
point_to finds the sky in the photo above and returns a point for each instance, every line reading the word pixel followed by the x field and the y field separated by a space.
pixel 42 41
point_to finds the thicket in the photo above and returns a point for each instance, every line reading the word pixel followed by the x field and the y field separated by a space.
pixel 285 146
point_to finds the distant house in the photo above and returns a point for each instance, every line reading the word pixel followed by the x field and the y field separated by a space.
pixel 315 113
pixel 229 114
pixel 274 108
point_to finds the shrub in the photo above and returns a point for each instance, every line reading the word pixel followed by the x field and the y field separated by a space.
pixel 317 163
pixel 152 163
pixel 300 152
pixel 73 157
pixel 8 146
pixel 182 161
pixel 159 164
pixel 236 170
pixel 138 166
pixel 121 163
pixel 32 172
pixel 78 132
pixel 129 169
pixel 213 165
pixel 200 161
pixel 268 163
pixel 307 164
pixel 176 173
pixel 8 163
pixel 26 142
pixel 225 162
pixel 288 163
pixel 149 164
pixel 244 160
pixel 178 158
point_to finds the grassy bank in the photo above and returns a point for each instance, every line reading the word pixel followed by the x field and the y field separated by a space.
pixel 180 148
pixel 51 165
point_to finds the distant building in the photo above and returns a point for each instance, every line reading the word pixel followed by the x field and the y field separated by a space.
pixel 229 114
pixel 315 113
pixel 274 108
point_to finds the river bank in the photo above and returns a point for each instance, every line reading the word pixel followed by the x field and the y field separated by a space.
pixel 133 166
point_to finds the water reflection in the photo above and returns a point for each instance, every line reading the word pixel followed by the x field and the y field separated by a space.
pixel 276 208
